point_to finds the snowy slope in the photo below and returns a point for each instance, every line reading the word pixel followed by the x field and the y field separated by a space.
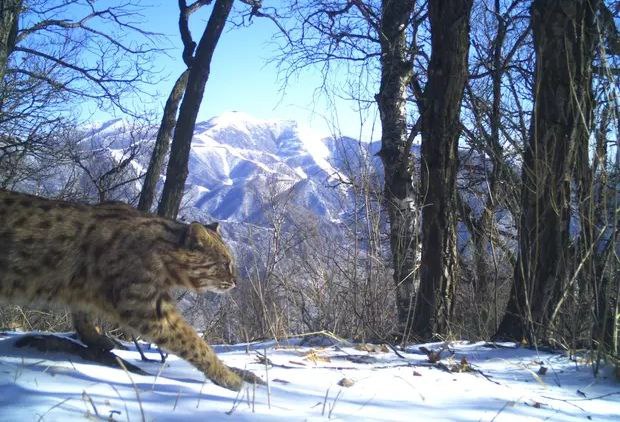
pixel 239 165
pixel 303 385
pixel 241 168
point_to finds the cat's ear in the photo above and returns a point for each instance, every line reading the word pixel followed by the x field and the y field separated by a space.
pixel 194 236
pixel 214 227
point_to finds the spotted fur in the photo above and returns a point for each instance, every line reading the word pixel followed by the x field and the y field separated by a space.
pixel 115 261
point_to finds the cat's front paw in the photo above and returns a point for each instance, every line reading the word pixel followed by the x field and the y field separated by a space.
pixel 229 380
pixel 247 376
pixel 100 342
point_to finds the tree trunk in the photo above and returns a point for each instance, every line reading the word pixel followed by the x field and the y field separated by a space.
pixel 396 72
pixel 447 75
pixel 596 208
pixel 9 17
pixel 197 79
pixel 564 47
pixel 162 143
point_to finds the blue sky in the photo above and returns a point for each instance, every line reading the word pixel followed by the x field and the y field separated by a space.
pixel 242 78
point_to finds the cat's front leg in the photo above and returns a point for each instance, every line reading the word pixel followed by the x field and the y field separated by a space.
pixel 164 325
pixel 89 333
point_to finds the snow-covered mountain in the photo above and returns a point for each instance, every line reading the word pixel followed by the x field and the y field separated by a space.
pixel 241 167
pixel 250 171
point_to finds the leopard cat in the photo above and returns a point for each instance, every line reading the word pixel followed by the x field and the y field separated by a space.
pixel 118 262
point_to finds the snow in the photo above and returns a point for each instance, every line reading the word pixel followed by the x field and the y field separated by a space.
pixel 235 161
pixel 303 385
pixel 236 157
pixel 315 147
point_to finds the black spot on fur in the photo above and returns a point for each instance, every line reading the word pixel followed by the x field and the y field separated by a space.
pixel 6 245
pixel 45 224
pixel 79 276
pixel 52 259
pixel 62 238
pixel 158 307
pixel 89 230
pixel 98 250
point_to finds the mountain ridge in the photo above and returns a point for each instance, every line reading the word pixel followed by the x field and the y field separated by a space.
pixel 239 165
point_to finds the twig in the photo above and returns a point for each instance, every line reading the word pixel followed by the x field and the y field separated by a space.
pixel 366 402
pixel 204 381
pixel 501 409
pixel 87 396
pixel 123 400
pixel 161 369
pixel 262 359
pixel 478 371
pixel 567 402
pixel 496 345
pixel 396 352
pixel 236 403
pixel 176 400
pixel 535 375
pixel 315 333
pixel 412 387
pixel 267 378
pixel 253 397
pixel 442 366
pixel 135 387
pixel 585 399
pixel 53 407
pixel 325 402
pixel 333 406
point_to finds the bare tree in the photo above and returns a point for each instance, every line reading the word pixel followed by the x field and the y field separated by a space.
pixel 396 140
pixel 65 53
pixel 162 143
pixel 564 41
pixel 50 49
pixel 375 42
pixel 495 127
pixel 199 69
pixel 9 16
pixel 439 164
pixel 112 175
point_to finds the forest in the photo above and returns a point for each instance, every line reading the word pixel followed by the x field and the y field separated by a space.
pixel 488 211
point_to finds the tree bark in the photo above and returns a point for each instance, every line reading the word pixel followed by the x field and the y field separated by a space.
pixel 447 75
pixel 564 47
pixel 9 17
pixel 595 210
pixel 162 143
pixel 197 79
pixel 396 71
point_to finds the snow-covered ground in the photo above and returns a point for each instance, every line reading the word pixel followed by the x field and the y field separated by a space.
pixel 503 383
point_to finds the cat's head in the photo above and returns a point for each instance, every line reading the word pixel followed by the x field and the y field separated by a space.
pixel 209 262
